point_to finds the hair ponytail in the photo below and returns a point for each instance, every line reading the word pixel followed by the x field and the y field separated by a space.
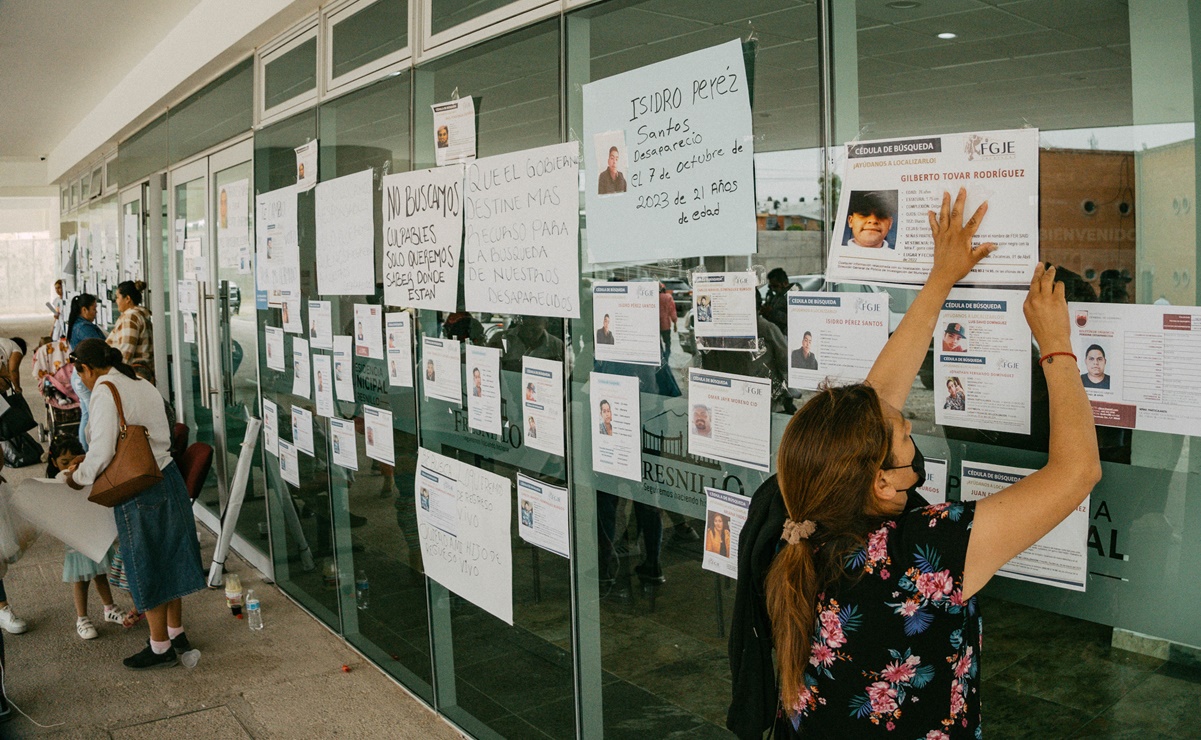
pixel 792 588
pixel 78 304
pixel 98 355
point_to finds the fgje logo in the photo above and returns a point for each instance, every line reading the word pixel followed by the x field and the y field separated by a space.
pixel 982 147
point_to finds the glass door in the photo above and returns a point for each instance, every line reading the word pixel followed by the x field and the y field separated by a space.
pixel 234 358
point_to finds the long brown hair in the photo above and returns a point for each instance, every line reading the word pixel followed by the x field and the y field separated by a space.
pixel 827 464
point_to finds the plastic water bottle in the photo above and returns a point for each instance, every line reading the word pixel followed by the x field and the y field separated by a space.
pixel 362 590
pixel 254 614
pixel 233 593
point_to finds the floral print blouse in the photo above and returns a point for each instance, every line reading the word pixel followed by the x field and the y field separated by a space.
pixel 896 647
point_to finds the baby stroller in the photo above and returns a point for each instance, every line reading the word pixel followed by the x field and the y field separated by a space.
pixel 52 365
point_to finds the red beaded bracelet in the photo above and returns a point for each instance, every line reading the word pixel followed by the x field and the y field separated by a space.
pixel 1051 355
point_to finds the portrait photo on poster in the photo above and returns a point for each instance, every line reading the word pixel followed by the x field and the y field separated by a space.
pixel 611 162
pixel 871 220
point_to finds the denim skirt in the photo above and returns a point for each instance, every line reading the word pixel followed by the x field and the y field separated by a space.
pixel 157 533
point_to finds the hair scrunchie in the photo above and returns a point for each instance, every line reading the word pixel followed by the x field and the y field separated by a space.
pixel 795 531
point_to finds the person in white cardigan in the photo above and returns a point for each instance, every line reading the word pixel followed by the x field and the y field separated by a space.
pixel 156 530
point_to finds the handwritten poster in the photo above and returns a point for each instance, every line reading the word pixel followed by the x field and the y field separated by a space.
pixel 882 233
pixel 463 523
pixel 346 235
pixel 669 159
pixel 423 238
pixel 521 236
pixel 276 244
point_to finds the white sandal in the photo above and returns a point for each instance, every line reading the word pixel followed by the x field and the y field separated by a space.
pixel 84 627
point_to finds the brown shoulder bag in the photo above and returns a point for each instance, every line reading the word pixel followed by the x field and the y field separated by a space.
pixel 133 468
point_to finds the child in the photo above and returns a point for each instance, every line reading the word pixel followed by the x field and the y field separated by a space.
pixel 77 568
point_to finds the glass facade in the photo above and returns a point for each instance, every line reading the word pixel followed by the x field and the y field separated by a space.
pixel 628 637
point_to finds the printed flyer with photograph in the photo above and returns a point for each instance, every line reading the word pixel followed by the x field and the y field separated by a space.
pixel 834 336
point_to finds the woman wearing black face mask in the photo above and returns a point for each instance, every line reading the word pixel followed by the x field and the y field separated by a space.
pixel 871 592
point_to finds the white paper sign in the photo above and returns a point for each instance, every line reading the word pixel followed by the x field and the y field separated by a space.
pixel 542 404
pixel 181 232
pixel 289 463
pixel 289 311
pixel 276 245
pixel 189 328
pixel 729 418
pixel 626 322
pixel 346 235
pixel 474 558
pixel 934 490
pixel 67 515
pixel 270 427
pixel 233 230
pixel 483 388
pixel 321 325
pixel 1140 365
pixel 306 166
pixel 398 332
pixel 1060 558
pixel 883 234
pixel 377 426
pixel 300 367
pixel 343 368
pixel 615 406
pixel 323 384
pixel 302 430
pixel 725 514
pixel 275 347
pixel 131 257
pixel 669 159
pixel 982 361
pixel 835 336
pixel 440 369
pixel 344 443
pixel 542 512
pixel 724 314
pixel 521 236
pixel 454 131
pixel 423 238
pixel 188 292
pixel 368 336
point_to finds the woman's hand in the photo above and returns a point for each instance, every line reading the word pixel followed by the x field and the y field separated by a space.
pixel 954 255
pixel 1046 312
pixel 70 477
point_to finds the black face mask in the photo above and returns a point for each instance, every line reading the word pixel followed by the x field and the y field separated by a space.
pixel 919 467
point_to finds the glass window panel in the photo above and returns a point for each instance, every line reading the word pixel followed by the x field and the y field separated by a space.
pixel 144 152
pixel 373 32
pixel 446 14
pixel 219 111
pixel 290 74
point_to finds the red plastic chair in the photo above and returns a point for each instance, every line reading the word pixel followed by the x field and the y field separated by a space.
pixel 179 443
pixel 194 465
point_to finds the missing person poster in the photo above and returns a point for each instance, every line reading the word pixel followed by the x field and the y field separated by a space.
pixel 289 311
pixel 982 361
pixel 302 430
pixel 626 322
pixel 669 159
pixel 464 518
pixel 276 245
pixel 616 425
pixel 483 388
pixel 440 367
pixel 270 427
pixel 344 212
pixel 289 463
pixel 882 234
pixel 835 336
pixel 344 368
pixel 344 443
pixel 275 348
pixel 934 489
pixel 423 238
pixel 725 513
pixel 1140 365
pixel 724 310
pixel 542 404
pixel 454 131
pixel 542 512
pixel 729 418
pixel 300 367
pixel 321 325
pixel 323 385
pixel 233 229
pixel 377 427
pixel 306 166
pixel 1060 558
pixel 368 327
pixel 521 233
pixel 398 332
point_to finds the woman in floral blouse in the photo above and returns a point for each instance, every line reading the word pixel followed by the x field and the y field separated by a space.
pixel 872 592
pixel 132 332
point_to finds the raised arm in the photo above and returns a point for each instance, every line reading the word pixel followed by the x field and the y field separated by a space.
pixel 1011 520
pixel 954 257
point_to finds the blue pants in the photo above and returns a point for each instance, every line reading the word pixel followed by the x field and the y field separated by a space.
pixel 85 399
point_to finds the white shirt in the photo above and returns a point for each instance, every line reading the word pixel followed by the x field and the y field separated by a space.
pixel 143 406
pixel 7 347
